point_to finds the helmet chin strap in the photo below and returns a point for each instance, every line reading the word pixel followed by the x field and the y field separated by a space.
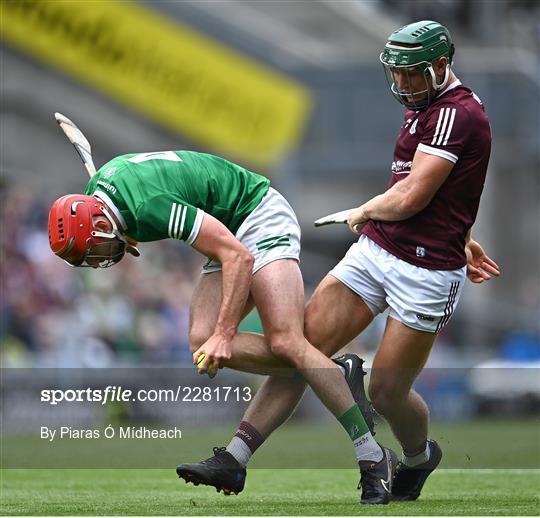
pixel 109 235
pixel 132 249
pixel 440 87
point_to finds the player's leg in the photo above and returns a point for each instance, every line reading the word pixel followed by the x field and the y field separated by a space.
pixel 278 293
pixel 249 350
pixel 277 398
pixel 333 317
pixel 421 303
pixel 400 357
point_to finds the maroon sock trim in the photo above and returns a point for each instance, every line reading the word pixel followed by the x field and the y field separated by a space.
pixel 249 435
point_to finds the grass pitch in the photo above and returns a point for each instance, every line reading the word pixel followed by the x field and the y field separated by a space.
pixel 267 492
pixel 474 478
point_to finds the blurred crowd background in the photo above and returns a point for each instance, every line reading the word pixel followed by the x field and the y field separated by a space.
pixel 333 152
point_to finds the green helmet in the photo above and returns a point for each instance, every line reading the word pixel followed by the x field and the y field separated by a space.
pixel 417 46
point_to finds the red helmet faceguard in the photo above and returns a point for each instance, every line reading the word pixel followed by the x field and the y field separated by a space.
pixel 74 238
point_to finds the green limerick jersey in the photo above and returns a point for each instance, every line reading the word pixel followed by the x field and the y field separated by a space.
pixel 166 193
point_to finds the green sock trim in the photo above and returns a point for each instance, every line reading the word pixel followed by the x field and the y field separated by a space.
pixel 353 422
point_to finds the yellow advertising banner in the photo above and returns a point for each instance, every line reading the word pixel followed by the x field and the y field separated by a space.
pixel 174 75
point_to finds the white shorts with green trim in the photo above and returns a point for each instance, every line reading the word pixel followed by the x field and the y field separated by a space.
pixel 419 298
pixel 270 232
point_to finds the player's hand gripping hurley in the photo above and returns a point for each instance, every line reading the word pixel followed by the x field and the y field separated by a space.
pixel 343 216
pixel 336 217
pixel 79 141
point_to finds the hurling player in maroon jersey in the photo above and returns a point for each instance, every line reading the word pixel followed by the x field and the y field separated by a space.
pixel 415 249
pixel 413 256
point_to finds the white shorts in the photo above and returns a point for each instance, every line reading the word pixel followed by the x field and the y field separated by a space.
pixel 419 298
pixel 270 232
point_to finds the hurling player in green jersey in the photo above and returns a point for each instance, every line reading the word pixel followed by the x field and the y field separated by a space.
pixel 252 239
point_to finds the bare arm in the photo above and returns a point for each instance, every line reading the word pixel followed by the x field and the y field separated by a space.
pixel 215 240
pixel 408 196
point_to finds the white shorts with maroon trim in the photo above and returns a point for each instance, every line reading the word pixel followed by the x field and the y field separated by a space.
pixel 419 298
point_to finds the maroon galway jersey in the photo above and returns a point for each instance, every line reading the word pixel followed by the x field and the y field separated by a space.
pixel 455 127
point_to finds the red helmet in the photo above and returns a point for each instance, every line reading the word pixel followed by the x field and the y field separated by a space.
pixel 74 237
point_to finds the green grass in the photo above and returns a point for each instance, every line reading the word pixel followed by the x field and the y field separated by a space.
pixel 268 492
pixel 474 478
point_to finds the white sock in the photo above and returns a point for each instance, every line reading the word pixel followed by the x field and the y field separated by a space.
pixel 239 450
pixel 342 369
pixel 416 460
pixel 367 448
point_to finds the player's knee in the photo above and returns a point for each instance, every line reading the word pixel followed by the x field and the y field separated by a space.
pixel 385 397
pixel 197 337
pixel 286 346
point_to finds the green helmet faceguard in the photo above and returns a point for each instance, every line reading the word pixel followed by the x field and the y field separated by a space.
pixel 413 49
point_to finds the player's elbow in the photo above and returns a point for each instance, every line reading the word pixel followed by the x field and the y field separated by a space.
pixel 246 258
pixel 242 258
pixel 237 255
